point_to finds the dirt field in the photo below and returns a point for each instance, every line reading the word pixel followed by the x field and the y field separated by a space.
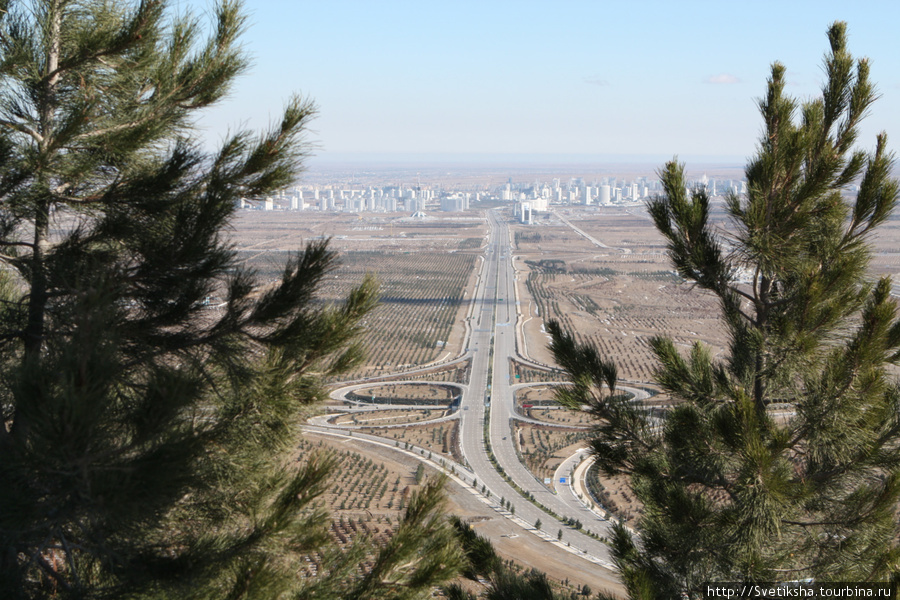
pixel 525 549
pixel 544 448
pixel 408 393
pixel 569 418
pixel 614 494
pixel 425 268
pixel 383 418
pixel 439 438
pixel 523 373
pixel 616 297
pixel 539 403
pixel 365 496
pixel 616 291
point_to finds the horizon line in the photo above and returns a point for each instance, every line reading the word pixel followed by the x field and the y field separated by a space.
pixel 511 159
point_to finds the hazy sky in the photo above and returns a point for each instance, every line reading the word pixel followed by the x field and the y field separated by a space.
pixel 625 78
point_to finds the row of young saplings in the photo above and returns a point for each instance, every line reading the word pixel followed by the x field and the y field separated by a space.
pixel 438 437
pixel 418 308
pixel 366 498
pixel 538 446
pixel 528 374
pixel 359 483
pixel 606 499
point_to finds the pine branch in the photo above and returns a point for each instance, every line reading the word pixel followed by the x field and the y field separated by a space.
pixel 22 128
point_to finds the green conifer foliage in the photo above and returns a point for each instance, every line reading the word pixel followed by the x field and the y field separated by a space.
pixel 780 461
pixel 147 439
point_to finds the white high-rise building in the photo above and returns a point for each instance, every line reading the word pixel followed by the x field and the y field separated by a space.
pixel 604 198
pixel 526 214
pixel 454 203
pixel 540 204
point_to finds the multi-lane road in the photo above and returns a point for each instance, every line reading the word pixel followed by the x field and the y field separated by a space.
pixel 489 398
pixel 492 344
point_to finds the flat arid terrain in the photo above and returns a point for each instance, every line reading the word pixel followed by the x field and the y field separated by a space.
pixel 618 288
pixel 395 472
pixel 425 268
pixel 602 272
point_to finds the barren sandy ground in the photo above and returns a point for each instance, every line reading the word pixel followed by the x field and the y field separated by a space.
pixel 525 549
pixel 617 296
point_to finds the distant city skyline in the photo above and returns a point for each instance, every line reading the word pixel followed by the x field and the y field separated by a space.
pixel 563 82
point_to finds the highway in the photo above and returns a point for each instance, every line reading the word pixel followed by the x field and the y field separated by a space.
pixel 489 397
pixel 494 319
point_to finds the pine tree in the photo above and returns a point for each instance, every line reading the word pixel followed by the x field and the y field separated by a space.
pixel 780 461
pixel 147 442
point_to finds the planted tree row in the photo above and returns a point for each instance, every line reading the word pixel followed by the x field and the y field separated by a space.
pixel 621 315
pixel 422 297
pixel 438 438
pixel 538 446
